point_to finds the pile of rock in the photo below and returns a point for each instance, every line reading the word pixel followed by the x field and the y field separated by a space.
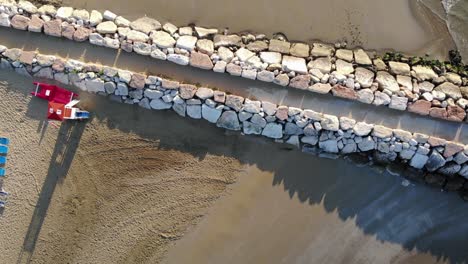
pixel 442 160
pixel 321 68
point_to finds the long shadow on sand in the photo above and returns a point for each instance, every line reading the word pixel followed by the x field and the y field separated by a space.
pixel 64 151
pixel 418 218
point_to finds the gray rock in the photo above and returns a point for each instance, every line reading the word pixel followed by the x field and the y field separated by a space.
pixel 273 130
pixel 350 147
pixel 418 161
pixel 136 94
pixel 229 120
pixel 62 78
pixel 243 116
pixel 110 87
pixel 330 146
pixel 5 20
pixel 178 58
pixel 252 106
pixel 259 120
pixel 194 111
pixel 235 102
pixel 292 129
pixel 142 48
pixel 464 171
pixel 450 169
pixel 250 128
pixel 45 73
pixel 366 144
pixel 153 94
pixel 96 39
pixel 435 161
pixel 266 76
pixel 311 140
pixel 95 85
pixel 398 103
pixel 381 98
pixel 159 104
pixel 210 114
pixel 180 109
pixel 122 89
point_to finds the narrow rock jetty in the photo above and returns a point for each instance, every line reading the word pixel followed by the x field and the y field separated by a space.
pixel 406 84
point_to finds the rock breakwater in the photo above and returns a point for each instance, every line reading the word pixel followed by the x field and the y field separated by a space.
pixel 406 84
pixel 440 162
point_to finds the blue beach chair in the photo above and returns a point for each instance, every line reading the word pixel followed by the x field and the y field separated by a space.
pixel 2 160
pixel 4 141
pixel 3 149
pixel 2 172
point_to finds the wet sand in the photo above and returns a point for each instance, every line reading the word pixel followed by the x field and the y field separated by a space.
pixel 236 85
pixel 310 210
pixel 378 24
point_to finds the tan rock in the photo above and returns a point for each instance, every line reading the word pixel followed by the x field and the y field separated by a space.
pixel 300 50
pixel 201 60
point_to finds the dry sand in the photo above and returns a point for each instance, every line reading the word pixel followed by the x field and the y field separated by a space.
pixel 115 190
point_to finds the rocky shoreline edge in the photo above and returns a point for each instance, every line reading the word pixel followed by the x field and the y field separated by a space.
pixel 439 162
pixel 414 84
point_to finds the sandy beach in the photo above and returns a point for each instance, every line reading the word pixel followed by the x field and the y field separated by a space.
pixel 118 189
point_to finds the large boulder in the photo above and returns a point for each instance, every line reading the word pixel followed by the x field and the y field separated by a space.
pixel 273 130
pixel 107 27
pixel 450 89
pixel 145 25
pixel 163 39
pixel 387 81
pixel 211 114
pixel 297 65
pixel 229 120
pixel 364 77
pixel 227 40
pixel 435 161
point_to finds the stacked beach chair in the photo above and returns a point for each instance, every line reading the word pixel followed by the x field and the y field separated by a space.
pixel 4 142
